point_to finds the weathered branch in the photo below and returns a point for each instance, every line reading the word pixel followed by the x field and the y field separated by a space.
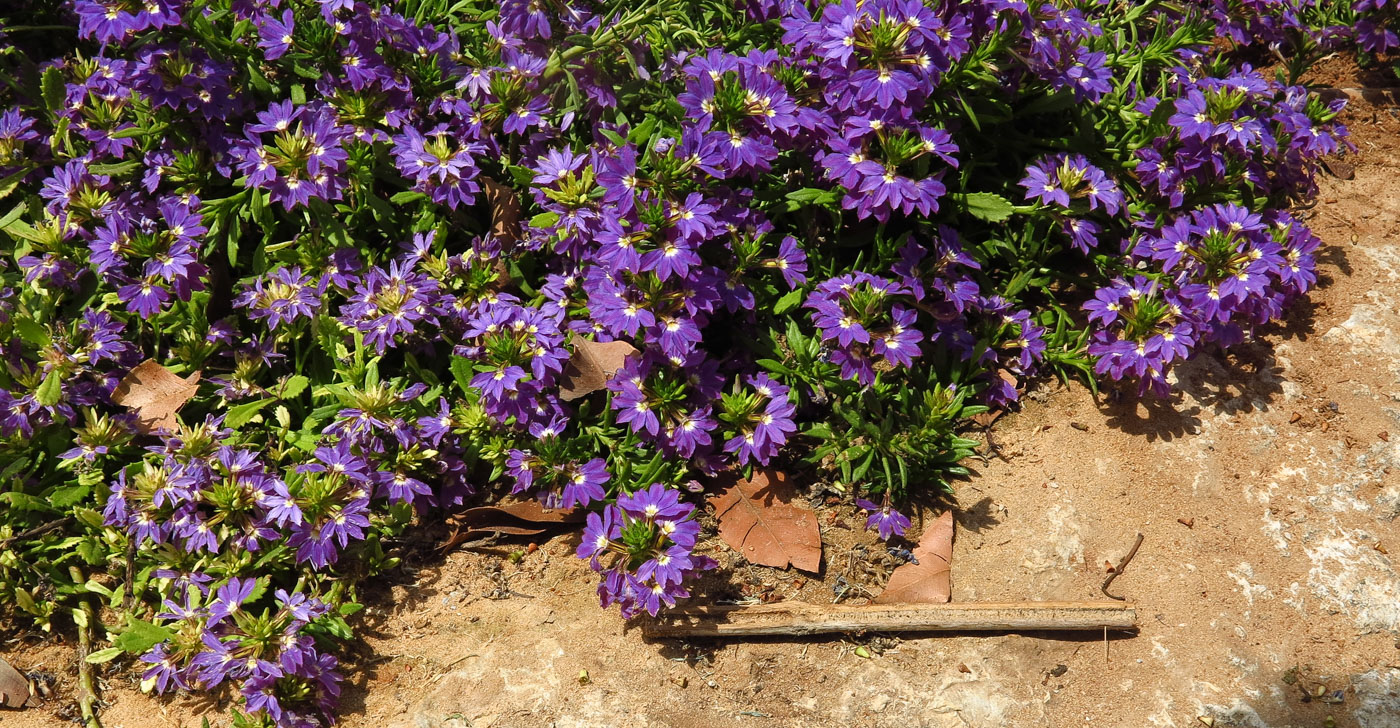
pixel 36 531
pixel 797 618
pixel 87 688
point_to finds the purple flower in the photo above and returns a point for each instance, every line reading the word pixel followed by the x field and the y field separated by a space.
pixel 305 160
pixel 275 36
pixel 884 519
pixel 440 163
pixel 229 598
pixel 1058 179
pixel 281 298
pixel 585 484
pixel 653 504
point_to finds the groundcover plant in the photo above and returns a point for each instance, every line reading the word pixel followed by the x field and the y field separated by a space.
pixel 380 235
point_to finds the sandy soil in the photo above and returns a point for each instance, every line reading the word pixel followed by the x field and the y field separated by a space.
pixel 1267 493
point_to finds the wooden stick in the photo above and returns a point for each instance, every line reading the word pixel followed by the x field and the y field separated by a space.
pixel 87 687
pixel 1122 565
pixel 798 618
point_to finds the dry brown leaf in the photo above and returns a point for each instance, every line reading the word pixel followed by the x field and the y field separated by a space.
pixel 985 419
pixel 14 688
pixel 757 519
pixel 1339 169
pixel 525 518
pixel 505 210
pixel 929 581
pixel 591 365
pixel 155 394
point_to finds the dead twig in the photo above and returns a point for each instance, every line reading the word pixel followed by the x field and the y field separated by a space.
pixel 1119 569
pixel 36 531
pixel 87 691
pixel 129 593
pixel 801 618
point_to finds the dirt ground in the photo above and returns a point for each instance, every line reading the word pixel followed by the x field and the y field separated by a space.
pixel 1267 493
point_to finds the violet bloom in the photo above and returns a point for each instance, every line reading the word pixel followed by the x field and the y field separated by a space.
pixel 274 35
pixel 655 503
pixel 791 262
pixel 145 298
pixel 884 519
pixel 115 20
pixel 585 484
pixel 229 598
pixel 303 162
pixel 281 298
pixel 440 163
pixel 1059 179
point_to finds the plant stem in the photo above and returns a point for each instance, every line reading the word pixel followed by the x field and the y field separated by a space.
pixel 23 28
pixel 36 531
pixel 87 691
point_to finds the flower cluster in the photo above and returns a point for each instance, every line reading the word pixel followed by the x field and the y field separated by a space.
pixel 643 545
pixel 587 254
pixel 218 639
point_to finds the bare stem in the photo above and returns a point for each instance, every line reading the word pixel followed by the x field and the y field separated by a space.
pixel 87 690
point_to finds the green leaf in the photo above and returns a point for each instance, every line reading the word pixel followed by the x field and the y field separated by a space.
pixel 788 301
pixel 545 219
pixel 987 206
pixel 298 94
pixel 14 214
pixel 107 655
pixel 259 589
pixel 23 230
pixel 140 636
pixel 53 88
pixel 50 391
pixel 294 387
pixel 135 131
pixel 407 196
pixel 32 332
pixel 807 196
pixel 239 415
pixel 89 517
pixel 68 495
pixel 8 184
pixel 462 372
pixel 97 588
pixel 13 468
pixel 613 137
pixel 304 440
pixel 114 170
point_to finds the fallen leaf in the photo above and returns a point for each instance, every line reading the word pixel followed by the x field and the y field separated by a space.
pixel 525 518
pixel 1339 169
pixel 930 580
pixel 591 366
pixel 505 210
pixel 14 688
pixel 757 519
pixel 985 419
pixel 155 394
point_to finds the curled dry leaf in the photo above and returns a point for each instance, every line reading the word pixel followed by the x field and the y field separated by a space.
pixel 154 393
pixel 525 518
pixel 591 365
pixel 758 519
pixel 930 580
pixel 505 210
pixel 14 687
pixel 985 419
